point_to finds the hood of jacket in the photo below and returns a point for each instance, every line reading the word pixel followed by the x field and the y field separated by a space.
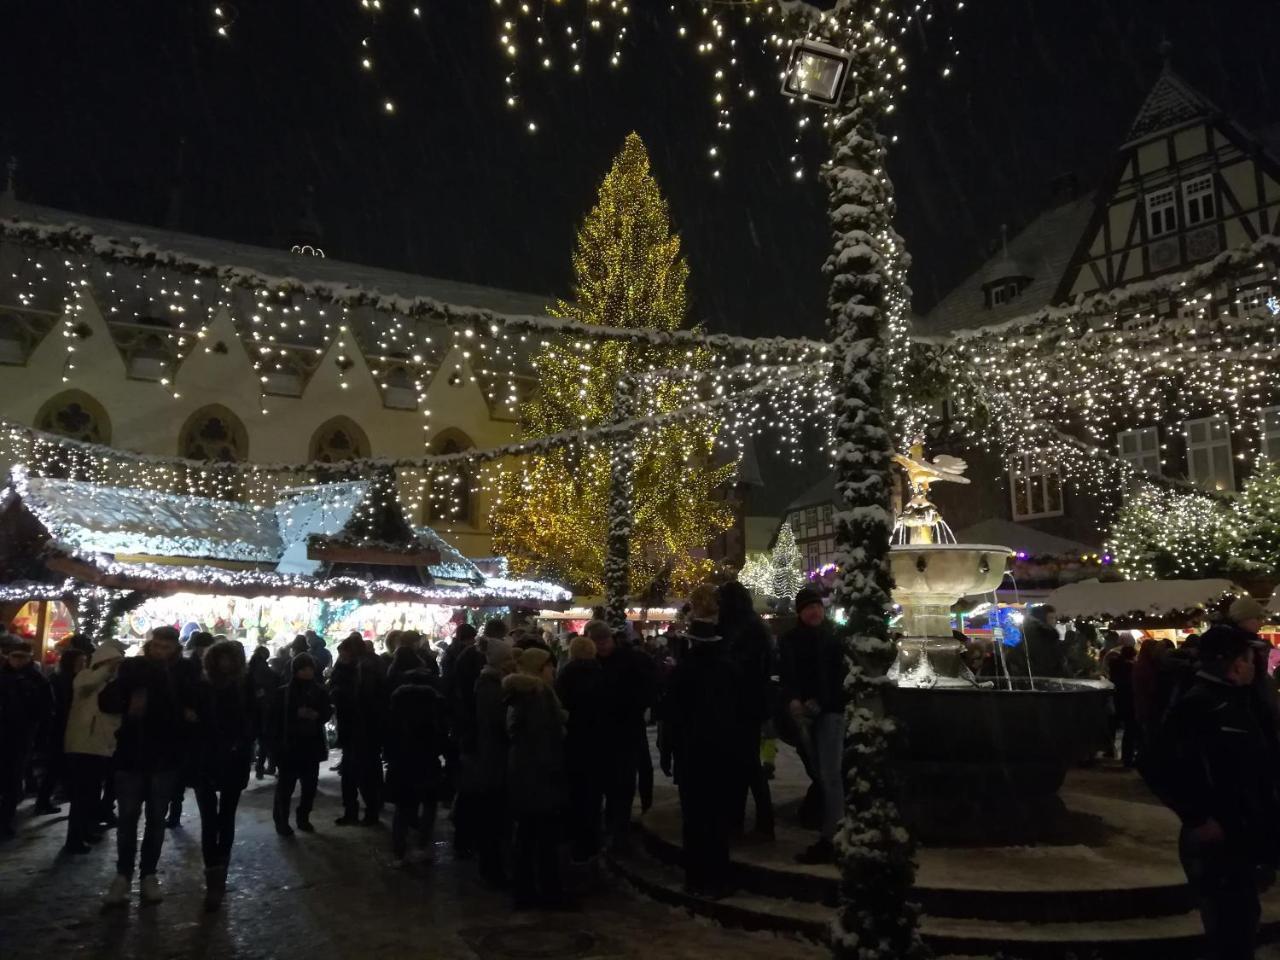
pixel 110 650
pixel 522 684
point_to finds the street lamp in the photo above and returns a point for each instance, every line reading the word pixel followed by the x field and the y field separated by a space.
pixel 816 72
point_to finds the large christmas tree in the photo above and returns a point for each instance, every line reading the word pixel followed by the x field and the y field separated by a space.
pixel 551 518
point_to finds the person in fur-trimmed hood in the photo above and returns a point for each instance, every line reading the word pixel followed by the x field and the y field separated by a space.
pixel 535 776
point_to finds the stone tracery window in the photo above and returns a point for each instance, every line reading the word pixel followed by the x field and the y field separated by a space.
pixel 214 433
pixel 75 414
pixel 337 440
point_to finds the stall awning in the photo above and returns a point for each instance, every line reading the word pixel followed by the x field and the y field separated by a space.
pixel 1135 599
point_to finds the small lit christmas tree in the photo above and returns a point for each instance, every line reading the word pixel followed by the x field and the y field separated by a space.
pixel 1161 534
pixel 1258 513
pixel 788 566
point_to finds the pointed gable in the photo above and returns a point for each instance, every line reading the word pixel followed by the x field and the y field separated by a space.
pixel 1172 103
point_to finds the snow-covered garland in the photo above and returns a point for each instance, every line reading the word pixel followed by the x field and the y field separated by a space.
pixel 18 433
pixel 163 578
pixel 876 919
pixel 75 238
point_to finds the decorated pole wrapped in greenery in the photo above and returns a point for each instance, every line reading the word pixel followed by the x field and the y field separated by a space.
pixel 865 316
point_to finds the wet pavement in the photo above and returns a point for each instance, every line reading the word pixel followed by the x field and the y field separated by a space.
pixel 325 896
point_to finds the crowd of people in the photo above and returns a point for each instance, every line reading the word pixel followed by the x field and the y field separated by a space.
pixel 538 747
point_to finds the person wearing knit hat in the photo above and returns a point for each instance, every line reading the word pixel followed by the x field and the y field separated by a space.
pixel 480 810
pixel 535 777
pixel 1247 614
pixel 811 670
pixel 580 690
pixel 497 653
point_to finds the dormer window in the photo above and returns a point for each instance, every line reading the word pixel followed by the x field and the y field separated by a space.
pixel 1162 212
pixel 1002 293
pixel 1197 200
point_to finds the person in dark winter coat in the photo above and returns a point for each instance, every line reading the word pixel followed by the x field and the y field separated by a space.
pixel 628 677
pixel 463 637
pixel 414 742
pixel 279 664
pixel 467 819
pixel 319 653
pixel 812 671
pixel 358 690
pixel 156 696
pixel 1046 654
pixel 408 659
pixel 580 688
pixel 706 707
pixel 535 777
pixel 1120 673
pixel 228 725
pixel 302 709
pixel 70 662
pixel 1215 765
pixel 26 709
pixel 263 683
pixel 485 770
pixel 749 644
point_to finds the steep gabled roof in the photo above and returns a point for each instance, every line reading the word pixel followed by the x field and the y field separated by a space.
pixel 1171 103
pixel 820 494
pixel 1042 251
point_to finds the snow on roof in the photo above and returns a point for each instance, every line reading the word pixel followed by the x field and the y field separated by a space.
pixel 121 520
pixel 820 494
pixel 1018 536
pixel 304 511
pixel 1042 250
pixel 284 263
pixel 453 565
pixel 1092 599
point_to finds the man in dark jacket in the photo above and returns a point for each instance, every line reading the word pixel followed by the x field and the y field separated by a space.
pixel 750 645
pixel 414 741
pixel 812 671
pixel 484 784
pixel 580 689
pixel 157 696
pixel 627 690
pixel 26 708
pixel 1219 775
pixel 319 653
pixel 70 662
pixel 302 710
pixel 704 713
pixel 462 707
pixel 1046 654
pixel 357 688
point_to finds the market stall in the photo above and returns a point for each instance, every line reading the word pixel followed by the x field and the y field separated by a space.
pixel 318 557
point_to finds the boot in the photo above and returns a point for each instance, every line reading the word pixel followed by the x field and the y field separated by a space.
pixel 215 888
pixel 304 822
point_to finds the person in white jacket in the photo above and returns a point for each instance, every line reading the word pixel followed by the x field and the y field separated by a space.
pixel 90 743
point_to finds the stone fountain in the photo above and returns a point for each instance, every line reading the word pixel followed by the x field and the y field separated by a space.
pixel 972 748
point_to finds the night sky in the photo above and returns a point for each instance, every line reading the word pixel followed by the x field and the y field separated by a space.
pixel 96 97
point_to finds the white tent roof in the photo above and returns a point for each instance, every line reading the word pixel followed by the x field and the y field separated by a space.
pixel 1093 599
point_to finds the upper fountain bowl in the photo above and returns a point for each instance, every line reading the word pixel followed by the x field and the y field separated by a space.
pixel 942 573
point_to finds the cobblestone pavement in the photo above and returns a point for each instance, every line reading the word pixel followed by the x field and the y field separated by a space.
pixel 329 895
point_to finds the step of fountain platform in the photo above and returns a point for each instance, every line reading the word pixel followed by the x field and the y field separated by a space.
pixel 1176 937
pixel 1043 885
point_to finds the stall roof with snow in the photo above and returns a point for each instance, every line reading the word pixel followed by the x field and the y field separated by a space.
pixel 1139 599
pixel 328 540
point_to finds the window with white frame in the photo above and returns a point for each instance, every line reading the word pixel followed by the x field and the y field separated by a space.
pixel 1141 447
pixel 1209 453
pixel 1162 213
pixel 1269 429
pixel 1197 200
pixel 1035 486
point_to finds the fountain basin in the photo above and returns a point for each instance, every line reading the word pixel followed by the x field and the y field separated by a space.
pixel 977 760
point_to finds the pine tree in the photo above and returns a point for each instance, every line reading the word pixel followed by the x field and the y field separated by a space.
pixel 551 518
pixel 788 566
pixel 1258 513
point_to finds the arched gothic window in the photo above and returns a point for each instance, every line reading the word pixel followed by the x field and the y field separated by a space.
pixel 452 498
pixel 75 414
pixel 214 433
pixel 337 440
